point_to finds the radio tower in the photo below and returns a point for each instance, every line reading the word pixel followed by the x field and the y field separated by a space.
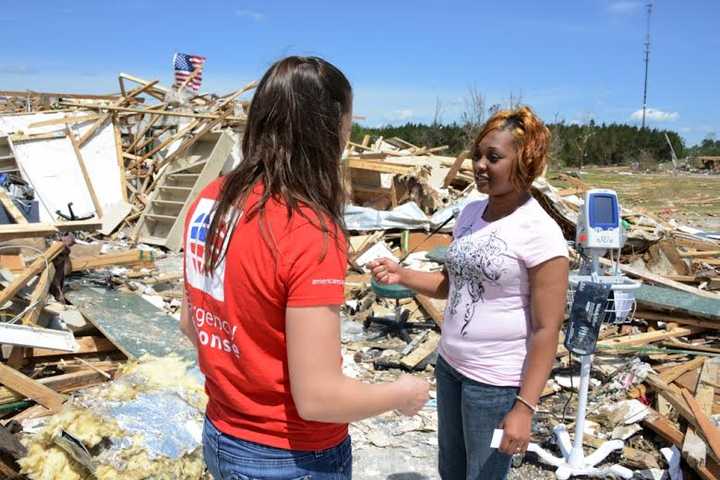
pixel 647 60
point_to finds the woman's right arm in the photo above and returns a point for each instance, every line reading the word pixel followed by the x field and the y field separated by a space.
pixel 320 390
pixel 430 284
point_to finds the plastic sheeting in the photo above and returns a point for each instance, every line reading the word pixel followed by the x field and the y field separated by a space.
pixel 407 216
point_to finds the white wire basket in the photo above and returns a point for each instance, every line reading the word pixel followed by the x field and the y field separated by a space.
pixel 621 305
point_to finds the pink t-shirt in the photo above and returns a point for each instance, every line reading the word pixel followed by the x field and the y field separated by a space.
pixel 487 319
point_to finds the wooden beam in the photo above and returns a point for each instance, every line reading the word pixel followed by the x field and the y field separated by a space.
pixel 29 230
pixel 130 257
pixel 65 383
pixel 83 168
pixel 427 305
pixel 65 120
pixel 456 166
pixel 85 344
pixel 120 159
pixel 39 295
pixel 666 430
pixel 707 428
pixel 670 375
pixel 168 113
pixel 30 388
pixel 11 208
pixel 639 339
pixel 79 225
pixel 675 318
pixel 660 280
pixel 382 167
pixel 36 267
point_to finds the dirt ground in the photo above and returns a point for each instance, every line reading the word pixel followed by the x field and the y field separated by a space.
pixel 689 198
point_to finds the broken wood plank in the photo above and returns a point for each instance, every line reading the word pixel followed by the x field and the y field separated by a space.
pixel 709 431
pixel 39 295
pixel 670 375
pixel 89 225
pixel 26 230
pixel 639 339
pixel 456 166
pixel 85 344
pixel 36 267
pixel 12 209
pixel 665 429
pixel 705 394
pixel 422 351
pixel 427 305
pixel 660 280
pixel 131 257
pixel 65 383
pixel 30 388
pixel 382 167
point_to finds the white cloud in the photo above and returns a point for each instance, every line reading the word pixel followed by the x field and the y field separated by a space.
pixel 403 114
pixel 624 7
pixel 656 115
pixel 255 16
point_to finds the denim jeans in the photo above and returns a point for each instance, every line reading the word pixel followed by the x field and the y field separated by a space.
pixel 229 458
pixel 468 412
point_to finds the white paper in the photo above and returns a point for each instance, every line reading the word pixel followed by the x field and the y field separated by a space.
pixel 496 438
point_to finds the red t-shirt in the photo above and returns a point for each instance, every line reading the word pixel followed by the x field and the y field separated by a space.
pixel 239 316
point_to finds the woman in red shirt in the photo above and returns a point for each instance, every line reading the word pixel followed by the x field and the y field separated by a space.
pixel 265 258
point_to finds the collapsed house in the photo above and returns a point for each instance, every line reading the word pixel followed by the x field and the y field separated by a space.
pixel 89 319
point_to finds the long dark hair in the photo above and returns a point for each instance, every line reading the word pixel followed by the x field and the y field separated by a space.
pixel 292 145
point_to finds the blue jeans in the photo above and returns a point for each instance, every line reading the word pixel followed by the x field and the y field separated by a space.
pixel 468 412
pixel 229 458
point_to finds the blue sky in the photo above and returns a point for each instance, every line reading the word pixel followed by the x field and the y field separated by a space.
pixel 571 60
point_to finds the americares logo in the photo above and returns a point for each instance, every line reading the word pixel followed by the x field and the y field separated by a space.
pixel 212 283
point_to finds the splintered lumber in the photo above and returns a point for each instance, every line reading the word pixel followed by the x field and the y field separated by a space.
pixel 11 208
pixel 660 280
pixel 694 448
pixel 36 267
pixel 664 428
pixel 30 388
pixel 456 166
pixel 382 167
pixel 671 374
pixel 39 295
pixel 85 345
pixel 66 382
pixel 427 304
pixel 675 318
pixel 131 257
pixel 26 230
pixel 89 225
pixel 706 427
pixel 639 339
pixel 422 351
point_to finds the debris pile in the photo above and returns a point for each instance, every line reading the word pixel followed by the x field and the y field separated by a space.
pixel 94 194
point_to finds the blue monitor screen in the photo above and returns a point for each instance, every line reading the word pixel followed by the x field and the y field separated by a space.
pixel 603 211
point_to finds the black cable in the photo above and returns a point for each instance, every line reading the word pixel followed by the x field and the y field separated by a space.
pixel 572 391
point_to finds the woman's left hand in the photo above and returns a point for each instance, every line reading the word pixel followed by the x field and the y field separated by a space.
pixel 516 425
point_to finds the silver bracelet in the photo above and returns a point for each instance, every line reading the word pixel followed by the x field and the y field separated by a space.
pixel 527 404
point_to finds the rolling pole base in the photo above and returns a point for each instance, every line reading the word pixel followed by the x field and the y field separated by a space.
pixel 574 463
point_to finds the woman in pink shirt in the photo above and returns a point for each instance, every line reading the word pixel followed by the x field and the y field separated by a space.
pixel 505 279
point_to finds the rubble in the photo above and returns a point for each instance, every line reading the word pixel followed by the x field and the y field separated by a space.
pixel 78 310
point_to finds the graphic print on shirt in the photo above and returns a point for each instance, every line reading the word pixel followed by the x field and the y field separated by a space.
pixel 212 283
pixel 471 261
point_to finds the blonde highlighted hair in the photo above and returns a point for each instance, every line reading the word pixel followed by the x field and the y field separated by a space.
pixel 532 141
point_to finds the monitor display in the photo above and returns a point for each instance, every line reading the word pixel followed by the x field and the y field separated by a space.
pixel 603 210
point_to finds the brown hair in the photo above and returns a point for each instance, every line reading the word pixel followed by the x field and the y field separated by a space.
pixel 532 140
pixel 292 146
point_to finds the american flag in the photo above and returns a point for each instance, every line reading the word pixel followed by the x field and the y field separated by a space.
pixel 185 65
